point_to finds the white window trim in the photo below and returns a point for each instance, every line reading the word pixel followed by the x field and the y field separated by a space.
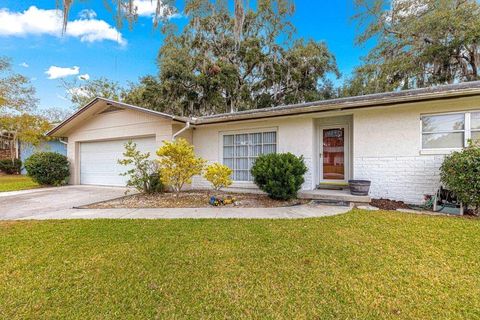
pixel 467 132
pixel 249 184
pixel 439 151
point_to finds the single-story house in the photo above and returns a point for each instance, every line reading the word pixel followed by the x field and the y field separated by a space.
pixel 397 140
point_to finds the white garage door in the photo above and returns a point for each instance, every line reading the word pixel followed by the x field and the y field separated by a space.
pixel 98 160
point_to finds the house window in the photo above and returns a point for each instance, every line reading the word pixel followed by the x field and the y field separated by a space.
pixel 241 150
pixel 475 126
pixel 450 131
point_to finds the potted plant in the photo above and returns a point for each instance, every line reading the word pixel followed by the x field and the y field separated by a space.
pixel 359 187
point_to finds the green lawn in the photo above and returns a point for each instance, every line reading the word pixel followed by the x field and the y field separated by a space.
pixel 361 265
pixel 16 182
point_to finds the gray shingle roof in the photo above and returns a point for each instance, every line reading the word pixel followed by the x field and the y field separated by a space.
pixel 379 99
pixel 460 89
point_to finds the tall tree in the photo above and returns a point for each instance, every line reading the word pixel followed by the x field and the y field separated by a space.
pixel 24 127
pixel 124 10
pixel 17 106
pixel 55 115
pixel 82 92
pixel 225 61
pixel 16 93
pixel 419 43
pixel 147 94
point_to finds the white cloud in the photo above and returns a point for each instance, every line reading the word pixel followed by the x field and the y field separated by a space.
pixel 85 77
pixel 24 64
pixel 35 21
pixel 94 30
pixel 147 8
pixel 87 14
pixel 55 72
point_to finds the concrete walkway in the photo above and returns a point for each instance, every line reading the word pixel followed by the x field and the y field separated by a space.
pixel 295 212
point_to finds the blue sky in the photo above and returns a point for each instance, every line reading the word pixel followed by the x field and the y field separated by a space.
pixel 98 48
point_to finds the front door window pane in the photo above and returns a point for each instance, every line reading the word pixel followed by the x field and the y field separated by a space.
pixel 334 154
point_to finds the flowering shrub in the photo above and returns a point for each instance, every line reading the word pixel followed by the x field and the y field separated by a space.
pixel 218 175
pixel 178 163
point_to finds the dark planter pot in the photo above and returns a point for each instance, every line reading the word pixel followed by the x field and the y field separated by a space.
pixel 359 187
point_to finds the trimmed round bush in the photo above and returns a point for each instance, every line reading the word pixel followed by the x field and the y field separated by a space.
pixel 48 168
pixel 460 173
pixel 280 175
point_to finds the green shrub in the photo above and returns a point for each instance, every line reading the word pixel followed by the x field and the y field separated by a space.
pixel 460 173
pixel 48 168
pixel 280 175
pixel 142 173
pixel 10 167
pixel 155 182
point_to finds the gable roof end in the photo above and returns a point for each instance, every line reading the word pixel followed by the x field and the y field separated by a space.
pixel 121 105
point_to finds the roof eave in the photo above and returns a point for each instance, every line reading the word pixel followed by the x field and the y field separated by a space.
pixel 325 106
pixel 116 103
pixel 73 116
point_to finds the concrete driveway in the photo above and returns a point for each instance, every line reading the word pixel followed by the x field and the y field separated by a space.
pixel 39 202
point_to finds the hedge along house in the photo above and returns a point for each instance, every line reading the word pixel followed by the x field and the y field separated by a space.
pixel 397 140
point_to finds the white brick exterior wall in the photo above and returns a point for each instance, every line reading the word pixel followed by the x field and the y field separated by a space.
pixel 295 135
pixel 309 176
pixel 400 178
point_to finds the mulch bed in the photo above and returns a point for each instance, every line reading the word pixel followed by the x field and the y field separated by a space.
pixel 193 199
pixel 385 204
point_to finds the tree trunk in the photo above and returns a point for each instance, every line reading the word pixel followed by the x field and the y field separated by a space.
pixel 473 65
pixel 13 148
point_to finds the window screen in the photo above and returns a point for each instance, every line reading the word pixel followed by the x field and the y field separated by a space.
pixel 241 150
pixel 443 131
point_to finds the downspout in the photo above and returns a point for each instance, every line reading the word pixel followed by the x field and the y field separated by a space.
pixel 176 134
pixel 61 141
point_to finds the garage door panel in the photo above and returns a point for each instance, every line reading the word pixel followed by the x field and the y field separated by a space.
pixel 99 160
